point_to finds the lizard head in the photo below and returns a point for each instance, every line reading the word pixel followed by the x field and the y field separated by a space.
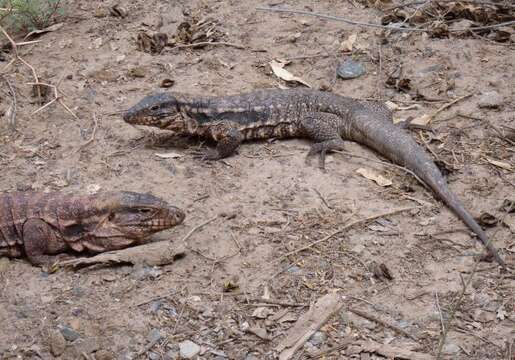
pixel 158 110
pixel 127 217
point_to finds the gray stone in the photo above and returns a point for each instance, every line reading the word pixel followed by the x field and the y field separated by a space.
pixel 294 269
pixel 87 346
pixel 188 349
pixel 103 354
pixel 155 306
pixel 154 335
pixel 490 100
pixel 462 25
pixel 56 342
pixel 68 333
pixel 318 338
pixel 350 69
pixel 451 348
pixel 154 356
pixel 310 348
pixel 4 264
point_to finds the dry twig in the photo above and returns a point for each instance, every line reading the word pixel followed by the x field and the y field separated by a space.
pixel 278 302
pixel 37 84
pixel 384 323
pixel 92 138
pixel 446 106
pixel 386 164
pixel 14 106
pixel 360 23
pixel 457 302
pixel 337 18
pixel 204 43
pixel 198 227
pixel 346 227
pixel 56 98
pixel 418 2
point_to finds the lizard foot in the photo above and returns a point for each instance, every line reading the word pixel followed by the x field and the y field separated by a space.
pixel 206 155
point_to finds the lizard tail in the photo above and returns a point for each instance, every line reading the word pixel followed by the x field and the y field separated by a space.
pixel 438 184
pixel 374 128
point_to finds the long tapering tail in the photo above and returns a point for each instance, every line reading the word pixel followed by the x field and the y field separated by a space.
pixel 372 125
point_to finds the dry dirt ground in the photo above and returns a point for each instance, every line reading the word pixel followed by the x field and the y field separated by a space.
pixel 273 203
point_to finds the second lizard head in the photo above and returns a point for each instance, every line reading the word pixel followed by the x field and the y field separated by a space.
pixel 158 110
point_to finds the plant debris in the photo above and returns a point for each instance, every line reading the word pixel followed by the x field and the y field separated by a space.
pixel 372 175
pixel 281 72
pixel 152 44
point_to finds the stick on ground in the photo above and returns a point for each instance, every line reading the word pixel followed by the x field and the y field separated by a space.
pixel 348 226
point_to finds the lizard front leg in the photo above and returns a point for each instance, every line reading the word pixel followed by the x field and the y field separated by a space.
pixel 228 139
pixel 40 241
pixel 323 129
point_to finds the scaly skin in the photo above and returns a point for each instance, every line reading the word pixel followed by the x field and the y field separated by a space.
pixel 41 225
pixel 325 118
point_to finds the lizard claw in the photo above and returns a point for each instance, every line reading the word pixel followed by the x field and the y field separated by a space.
pixel 206 155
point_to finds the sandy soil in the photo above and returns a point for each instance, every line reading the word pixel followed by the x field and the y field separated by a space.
pixel 273 203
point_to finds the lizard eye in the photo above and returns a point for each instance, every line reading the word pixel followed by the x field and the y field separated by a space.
pixel 144 211
pixel 154 107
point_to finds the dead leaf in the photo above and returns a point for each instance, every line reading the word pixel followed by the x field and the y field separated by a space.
pixel 391 105
pixel 170 155
pixel 118 11
pixel 488 220
pixel 279 71
pixel 508 205
pixel 259 332
pixel 372 175
pixel 394 107
pixel 501 313
pixel 348 44
pixel 50 28
pixel 167 83
pixel 230 285
pixel 92 189
pixel 261 312
pixel 501 164
pixel 422 120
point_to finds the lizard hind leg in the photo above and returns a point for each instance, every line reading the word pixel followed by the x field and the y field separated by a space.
pixel 323 129
pixel 40 241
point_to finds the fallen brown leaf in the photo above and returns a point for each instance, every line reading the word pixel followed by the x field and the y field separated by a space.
pixel 348 44
pixel 501 164
pixel 372 175
pixel 281 72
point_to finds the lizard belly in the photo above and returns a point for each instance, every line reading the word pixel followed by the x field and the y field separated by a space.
pixel 281 130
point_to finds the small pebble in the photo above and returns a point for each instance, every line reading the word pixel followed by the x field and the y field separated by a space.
pixel 155 306
pixel 154 335
pixel 56 342
pixel 154 356
pixel 310 348
pixel 188 349
pixel 490 100
pixel 294 269
pixel 104 355
pixel 350 69
pixel 4 264
pixel 318 338
pixel 68 333
pixel 451 348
